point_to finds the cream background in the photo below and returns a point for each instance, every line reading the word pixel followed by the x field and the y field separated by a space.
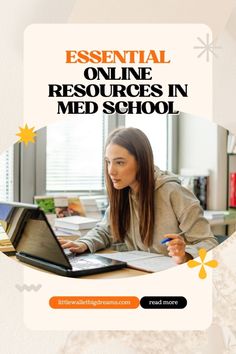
pixel 177 281
pixel 14 17
pixel 39 110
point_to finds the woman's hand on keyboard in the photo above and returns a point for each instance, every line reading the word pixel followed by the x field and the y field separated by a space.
pixel 77 247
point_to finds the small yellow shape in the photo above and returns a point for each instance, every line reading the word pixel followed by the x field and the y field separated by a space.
pixel 26 135
pixel 202 254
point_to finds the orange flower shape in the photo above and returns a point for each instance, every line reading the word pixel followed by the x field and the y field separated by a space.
pixel 202 254
pixel 26 135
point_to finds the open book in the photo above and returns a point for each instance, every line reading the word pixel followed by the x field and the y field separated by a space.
pixel 149 262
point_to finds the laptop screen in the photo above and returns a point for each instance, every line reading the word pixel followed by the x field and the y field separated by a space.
pixel 29 231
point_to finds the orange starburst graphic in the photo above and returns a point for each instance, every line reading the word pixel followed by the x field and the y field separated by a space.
pixel 26 135
pixel 202 254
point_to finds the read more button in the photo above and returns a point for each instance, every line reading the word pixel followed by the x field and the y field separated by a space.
pixel 163 302
pixel 94 302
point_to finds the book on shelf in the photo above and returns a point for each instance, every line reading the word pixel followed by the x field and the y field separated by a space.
pixel 75 223
pixel 145 261
pixel 7 249
pixel 232 190
pixel 46 203
pixel 231 144
pixel 215 214
pixel 60 205
pixel 200 189
pixel 11 220
pixel 75 206
pixel 197 182
pixel 68 206
pixel 5 244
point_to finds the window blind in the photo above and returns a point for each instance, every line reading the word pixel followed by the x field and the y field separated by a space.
pixel 6 175
pixel 74 155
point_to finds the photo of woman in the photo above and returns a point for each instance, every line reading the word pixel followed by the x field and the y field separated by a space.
pixel 146 205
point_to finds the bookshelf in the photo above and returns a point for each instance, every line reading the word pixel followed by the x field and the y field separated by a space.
pixel 231 163
pixel 231 167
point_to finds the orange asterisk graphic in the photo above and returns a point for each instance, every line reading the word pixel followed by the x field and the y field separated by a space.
pixel 202 254
pixel 26 135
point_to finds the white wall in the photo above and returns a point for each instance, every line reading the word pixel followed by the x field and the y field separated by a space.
pixel 202 145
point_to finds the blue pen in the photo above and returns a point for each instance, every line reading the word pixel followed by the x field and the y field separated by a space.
pixel 167 239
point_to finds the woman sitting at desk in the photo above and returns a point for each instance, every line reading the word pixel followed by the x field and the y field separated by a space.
pixel 145 205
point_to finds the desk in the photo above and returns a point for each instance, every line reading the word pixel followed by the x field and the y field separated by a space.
pixel 116 274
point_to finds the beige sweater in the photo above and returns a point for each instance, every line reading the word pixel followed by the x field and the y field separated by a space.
pixel 176 210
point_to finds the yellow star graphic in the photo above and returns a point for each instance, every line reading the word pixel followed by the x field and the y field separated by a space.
pixel 202 254
pixel 26 135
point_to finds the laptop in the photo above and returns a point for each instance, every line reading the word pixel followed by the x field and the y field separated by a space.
pixel 36 243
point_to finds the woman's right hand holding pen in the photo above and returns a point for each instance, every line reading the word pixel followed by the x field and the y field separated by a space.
pixel 176 248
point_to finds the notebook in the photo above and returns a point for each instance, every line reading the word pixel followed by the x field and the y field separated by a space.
pixel 35 242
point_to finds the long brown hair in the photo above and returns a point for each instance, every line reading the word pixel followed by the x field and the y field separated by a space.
pixel 138 145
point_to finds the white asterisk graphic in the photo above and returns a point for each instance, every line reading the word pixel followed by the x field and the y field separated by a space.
pixel 206 47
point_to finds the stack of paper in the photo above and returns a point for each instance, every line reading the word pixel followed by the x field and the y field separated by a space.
pixel 73 224
pixel 217 215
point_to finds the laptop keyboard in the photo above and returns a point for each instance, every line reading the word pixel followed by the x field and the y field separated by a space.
pixel 84 262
